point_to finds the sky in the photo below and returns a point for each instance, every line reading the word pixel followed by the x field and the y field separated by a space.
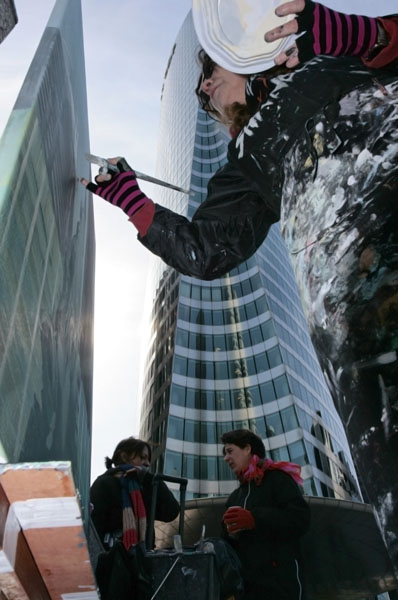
pixel 127 46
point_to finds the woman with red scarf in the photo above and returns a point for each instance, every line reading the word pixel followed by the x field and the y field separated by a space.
pixel 122 496
pixel 264 518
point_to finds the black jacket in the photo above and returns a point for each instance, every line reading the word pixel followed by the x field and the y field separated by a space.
pixel 244 196
pixel 105 495
pixel 270 553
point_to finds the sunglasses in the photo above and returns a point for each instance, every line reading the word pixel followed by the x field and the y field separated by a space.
pixel 204 99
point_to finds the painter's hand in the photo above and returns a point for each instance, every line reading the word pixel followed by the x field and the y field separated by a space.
pixel 121 190
pixel 289 57
pixel 103 177
pixel 326 31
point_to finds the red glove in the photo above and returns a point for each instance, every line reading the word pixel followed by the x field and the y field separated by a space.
pixel 237 518
pixel 390 52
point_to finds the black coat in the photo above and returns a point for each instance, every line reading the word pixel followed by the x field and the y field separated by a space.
pixel 270 553
pixel 105 495
pixel 244 196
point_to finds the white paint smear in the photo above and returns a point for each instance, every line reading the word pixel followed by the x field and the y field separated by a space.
pixel 47 512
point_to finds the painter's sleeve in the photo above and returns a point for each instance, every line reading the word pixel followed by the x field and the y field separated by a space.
pixel 225 230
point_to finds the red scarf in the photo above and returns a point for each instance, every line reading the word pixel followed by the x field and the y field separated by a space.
pixel 257 468
pixel 133 508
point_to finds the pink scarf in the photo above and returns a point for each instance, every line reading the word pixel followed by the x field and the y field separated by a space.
pixel 257 468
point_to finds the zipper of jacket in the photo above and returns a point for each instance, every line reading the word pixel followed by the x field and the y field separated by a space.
pixel 247 495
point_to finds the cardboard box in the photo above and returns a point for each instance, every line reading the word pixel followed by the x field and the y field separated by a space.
pixel 43 549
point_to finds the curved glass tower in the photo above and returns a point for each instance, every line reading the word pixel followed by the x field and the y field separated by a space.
pixel 234 352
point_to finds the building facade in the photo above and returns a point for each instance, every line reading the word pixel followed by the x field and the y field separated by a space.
pixel 8 18
pixel 47 252
pixel 234 352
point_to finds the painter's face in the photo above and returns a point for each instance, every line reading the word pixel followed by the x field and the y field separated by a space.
pixel 224 88
pixel 237 459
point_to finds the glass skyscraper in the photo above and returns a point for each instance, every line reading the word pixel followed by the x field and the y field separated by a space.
pixel 47 251
pixel 234 352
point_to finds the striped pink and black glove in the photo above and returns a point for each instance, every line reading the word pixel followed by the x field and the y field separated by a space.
pixel 122 190
pixel 334 33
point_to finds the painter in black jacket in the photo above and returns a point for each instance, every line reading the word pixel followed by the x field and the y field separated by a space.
pixel 315 148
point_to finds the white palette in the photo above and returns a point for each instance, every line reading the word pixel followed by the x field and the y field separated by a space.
pixel 232 31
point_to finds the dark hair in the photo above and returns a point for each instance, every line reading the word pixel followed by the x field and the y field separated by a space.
pixel 130 445
pixel 237 115
pixel 242 438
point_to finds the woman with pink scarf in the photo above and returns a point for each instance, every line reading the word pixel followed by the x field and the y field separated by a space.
pixel 264 518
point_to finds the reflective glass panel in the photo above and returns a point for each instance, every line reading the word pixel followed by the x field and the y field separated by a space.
pixel 223 401
pixel 251 310
pixel 179 365
pixel 260 427
pixel 267 329
pixel 238 398
pixel 281 386
pixel 190 466
pixel 219 343
pixel 216 294
pixel 261 305
pixel 175 428
pixel 218 317
pixel 223 427
pixel 280 454
pixel 208 434
pixel 193 398
pixel 208 468
pixel 297 453
pixel 185 289
pixel 206 294
pixel 274 357
pixel 177 395
pixel 192 431
pixel 207 399
pixel 274 424
pixel 195 291
pixel 224 472
pixel 267 392
pixel 232 341
pixel 256 335
pixel 173 463
pixel 221 370
pixel 254 396
pixel 309 487
pixel 182 337
pixel 261 363
pixel 289 418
